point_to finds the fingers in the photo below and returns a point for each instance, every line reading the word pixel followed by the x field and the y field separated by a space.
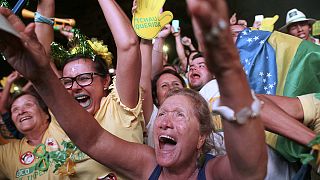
pixel 158 4
pixel 134 7
pixel 233 19
pixel 165 18
pixel 13 19
pixel 9 44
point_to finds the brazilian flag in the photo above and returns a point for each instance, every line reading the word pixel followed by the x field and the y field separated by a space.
pixel 279 64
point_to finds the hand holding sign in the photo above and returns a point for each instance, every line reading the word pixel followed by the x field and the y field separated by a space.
pixel 146 21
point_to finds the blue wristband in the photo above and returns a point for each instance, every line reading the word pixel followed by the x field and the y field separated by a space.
pixel 42 19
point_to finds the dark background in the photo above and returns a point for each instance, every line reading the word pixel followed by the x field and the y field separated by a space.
pixel 91 21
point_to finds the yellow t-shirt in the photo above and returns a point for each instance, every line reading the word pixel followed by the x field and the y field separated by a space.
pixel 18 162
pixel 311 111
pixel 123 122
pixel 119 120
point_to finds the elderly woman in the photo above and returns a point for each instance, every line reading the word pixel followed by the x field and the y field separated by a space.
pixel 178 134
pixel 87 79
pixel 31 117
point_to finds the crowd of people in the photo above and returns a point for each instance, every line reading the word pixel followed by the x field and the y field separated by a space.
pixel 198 119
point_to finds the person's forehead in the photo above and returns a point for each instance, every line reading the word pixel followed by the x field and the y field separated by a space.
pixel 176 102
pixel 24 99
pixel 198 61
pixel 78 66
pixel 167 77
pixel 299 23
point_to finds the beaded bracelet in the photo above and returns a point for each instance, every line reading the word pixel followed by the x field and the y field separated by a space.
pixel 243 115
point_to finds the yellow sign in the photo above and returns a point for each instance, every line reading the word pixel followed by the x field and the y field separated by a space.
pixel 267 23
pixel 316 28
pixel 147 20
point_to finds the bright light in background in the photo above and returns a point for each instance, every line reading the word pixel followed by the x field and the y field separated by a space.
pixel 165 48
pixel 16 88
pixel 111 70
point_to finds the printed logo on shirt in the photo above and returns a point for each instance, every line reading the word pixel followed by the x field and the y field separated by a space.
pixel 27 158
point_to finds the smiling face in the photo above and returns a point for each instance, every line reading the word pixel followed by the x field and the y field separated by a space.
pixel 27 115
pixel 89 97
pixel 198 75
pixel 176 132
pixel 165 83
pixel 300 29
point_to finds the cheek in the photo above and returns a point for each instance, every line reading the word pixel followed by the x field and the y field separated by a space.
pixel 160 94
pixel 14 118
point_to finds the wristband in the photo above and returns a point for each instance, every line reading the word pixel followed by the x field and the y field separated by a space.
pixel 42 19
pixel 243 115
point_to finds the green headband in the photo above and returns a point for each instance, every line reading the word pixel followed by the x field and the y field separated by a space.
pixel 80 46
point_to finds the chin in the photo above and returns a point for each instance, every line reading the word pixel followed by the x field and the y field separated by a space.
pixel 90 110
pixel 165 161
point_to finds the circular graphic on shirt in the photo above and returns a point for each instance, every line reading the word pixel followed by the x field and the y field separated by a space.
pixel 27 158
pixel 52 144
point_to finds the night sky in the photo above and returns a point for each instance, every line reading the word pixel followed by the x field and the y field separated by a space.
pixel 90 19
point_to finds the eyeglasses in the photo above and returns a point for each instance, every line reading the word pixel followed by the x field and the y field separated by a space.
pixel 82 80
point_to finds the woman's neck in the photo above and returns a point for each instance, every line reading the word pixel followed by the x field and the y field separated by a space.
pixel 188 173
pixel 35 137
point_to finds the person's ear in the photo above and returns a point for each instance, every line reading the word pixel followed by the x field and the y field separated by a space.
pixel 201 141
pixel 106 82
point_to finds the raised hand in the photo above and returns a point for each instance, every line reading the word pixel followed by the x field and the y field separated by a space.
pixel 13 76
pixel 66 31
pixel 164 33
pixel 186 41
pixel 211 27
pixel 24 53
pixel 147 21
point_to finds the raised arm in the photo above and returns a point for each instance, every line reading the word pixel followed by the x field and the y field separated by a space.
pixel 44 31
pixel 145 80
pixel 291 106
pixel 128 52
pixel 157 50
pixel 246 150
pixel 180 50
pixel 27 55
pixel 6 91
pixel 278 121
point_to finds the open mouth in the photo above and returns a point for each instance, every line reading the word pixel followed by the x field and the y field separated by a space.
pixel 24 118
pixel 302 36
pixel 83 100
pixel 166 141
pixel 195 75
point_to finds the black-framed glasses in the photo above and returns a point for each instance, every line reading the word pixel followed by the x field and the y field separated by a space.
pixel 82 80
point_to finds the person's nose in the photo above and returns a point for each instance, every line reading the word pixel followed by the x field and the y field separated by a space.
pixel 171 86
pixel 75 86
pixel 166 122
pixel 21 111
pixel 299 28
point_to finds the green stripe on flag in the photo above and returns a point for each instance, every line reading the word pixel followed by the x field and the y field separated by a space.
pixel 298 63
pixel 304 73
